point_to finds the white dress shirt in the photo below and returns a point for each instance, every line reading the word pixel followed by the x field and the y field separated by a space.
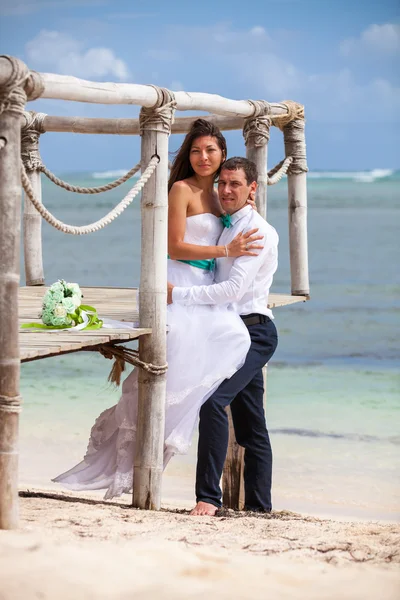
pixel 242 282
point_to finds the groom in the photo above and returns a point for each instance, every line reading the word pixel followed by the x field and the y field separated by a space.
pixel 244 284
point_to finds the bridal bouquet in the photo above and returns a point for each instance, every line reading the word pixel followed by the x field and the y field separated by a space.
pixel 62 309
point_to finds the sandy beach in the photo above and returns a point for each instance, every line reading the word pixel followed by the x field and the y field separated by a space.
pixel 71 546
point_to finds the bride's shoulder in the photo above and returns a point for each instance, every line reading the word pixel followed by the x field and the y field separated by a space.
pixel 182 185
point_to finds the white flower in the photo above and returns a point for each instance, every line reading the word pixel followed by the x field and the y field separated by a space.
pixel 60 311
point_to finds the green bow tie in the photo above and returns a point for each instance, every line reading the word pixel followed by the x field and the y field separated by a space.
pixel 226 220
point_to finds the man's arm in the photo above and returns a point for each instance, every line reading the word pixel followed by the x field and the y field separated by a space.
pixel 241 276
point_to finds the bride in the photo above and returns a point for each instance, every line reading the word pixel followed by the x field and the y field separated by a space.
pixel 205 344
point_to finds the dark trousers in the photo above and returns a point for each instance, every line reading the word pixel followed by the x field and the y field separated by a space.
pixel 244 391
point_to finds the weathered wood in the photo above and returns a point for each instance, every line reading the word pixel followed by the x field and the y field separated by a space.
pixel 232 477
pixel 65 87
pixel 10 217
pixel 131 126
pixel 297 194
pixel 33 255
pixel 111 303
pixel 294 139
pixel 148 461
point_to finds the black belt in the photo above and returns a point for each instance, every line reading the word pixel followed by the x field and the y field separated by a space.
pixel 254 319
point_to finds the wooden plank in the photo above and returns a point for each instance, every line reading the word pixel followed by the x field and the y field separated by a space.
pixel 113 303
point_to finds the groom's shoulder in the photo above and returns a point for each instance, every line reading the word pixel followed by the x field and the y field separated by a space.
pixel 265 228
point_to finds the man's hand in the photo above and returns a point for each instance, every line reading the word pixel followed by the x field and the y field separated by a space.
pixel 170 287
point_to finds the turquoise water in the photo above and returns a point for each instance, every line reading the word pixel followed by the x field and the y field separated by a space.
pixel 333 385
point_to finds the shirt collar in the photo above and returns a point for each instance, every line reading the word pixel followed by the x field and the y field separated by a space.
pixel 240 214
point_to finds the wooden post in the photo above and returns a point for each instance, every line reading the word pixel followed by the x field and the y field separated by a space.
pixel 148 462
pixel 13 75
pixel 33 255
pixel 256 134
pixel 295 146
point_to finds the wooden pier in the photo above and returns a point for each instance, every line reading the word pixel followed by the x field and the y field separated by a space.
pixel 21 163
pixel 119 304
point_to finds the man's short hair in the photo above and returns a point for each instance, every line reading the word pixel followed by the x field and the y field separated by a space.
pixel 238 162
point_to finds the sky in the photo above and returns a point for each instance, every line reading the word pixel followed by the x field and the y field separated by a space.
pixel 340 58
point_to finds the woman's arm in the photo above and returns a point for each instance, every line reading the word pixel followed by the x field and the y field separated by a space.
pixel 178 203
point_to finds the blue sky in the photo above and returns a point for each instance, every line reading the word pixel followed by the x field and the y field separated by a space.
pixel 339 58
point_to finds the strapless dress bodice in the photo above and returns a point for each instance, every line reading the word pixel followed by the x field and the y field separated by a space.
pixel 202 230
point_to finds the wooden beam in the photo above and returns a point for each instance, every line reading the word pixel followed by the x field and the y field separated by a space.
pixel 130 126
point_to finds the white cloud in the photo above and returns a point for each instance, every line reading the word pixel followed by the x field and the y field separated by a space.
pixel 63 54
pixel 377 39
pixel 257 31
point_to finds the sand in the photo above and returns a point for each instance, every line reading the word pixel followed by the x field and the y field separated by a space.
pixel 72 547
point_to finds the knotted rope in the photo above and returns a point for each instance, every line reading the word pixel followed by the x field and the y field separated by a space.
pixel 295 146
pixel 21 85
pixel 10 404
pixel 162 113
pixel 256 128
pixel 123 355
pixel 12 93
pixel 295 111
pixel 97 225
pixel 256 131
pixel 30 133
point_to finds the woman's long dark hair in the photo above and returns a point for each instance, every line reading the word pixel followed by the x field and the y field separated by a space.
pixel 181 167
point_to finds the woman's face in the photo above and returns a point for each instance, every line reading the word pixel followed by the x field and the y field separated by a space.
pixel 205 156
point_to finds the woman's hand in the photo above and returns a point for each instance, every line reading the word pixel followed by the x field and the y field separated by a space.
pixel 243 244
pixel 252 201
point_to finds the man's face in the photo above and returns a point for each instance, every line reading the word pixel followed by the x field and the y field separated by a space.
pixel 233 190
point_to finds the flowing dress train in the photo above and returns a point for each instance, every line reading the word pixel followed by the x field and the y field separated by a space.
pixel 205 345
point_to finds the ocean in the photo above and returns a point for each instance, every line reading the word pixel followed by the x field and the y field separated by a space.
pixel 333 401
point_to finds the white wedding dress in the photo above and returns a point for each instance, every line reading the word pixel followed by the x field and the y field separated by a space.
pixel 205 345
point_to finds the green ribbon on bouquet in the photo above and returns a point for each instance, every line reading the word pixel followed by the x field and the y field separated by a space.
pixel 84 317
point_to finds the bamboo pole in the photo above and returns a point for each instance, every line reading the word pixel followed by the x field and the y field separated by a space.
pixel 13 74
pixel 297 196
pixel 65 87
pixel 33 255
pixel 256 133
pixel 131 126
pixel 148 461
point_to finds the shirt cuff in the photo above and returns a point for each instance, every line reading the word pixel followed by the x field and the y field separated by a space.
pixel 179 295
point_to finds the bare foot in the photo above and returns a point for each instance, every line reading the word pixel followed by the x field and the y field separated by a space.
pixel 204 509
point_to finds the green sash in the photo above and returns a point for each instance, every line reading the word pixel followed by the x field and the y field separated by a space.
pixel 207 265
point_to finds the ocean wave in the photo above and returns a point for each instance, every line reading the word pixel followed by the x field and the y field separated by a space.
pixel 354 437
pixel 115 174
pixel 360 176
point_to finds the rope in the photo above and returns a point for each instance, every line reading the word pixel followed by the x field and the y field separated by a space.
pixel 162 113
pixel 256 131
pixel 260 108
pixel 294 111
pixel 88 190
pixel 12 94
pixel 10 404
pixel 276 174
pixel 123 355
pixel 85 229
pixel 295 146
pixel 30 133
